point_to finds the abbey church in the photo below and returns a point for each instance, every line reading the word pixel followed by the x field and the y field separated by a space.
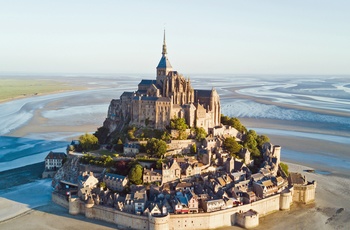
pixel 157 101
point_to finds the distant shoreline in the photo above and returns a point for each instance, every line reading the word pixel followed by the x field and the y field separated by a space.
pixel 19 88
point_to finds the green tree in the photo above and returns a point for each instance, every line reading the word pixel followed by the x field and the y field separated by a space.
pixel 102 185
pixel 234 122
pixel 159 164
pixel 250 140
pixel 261 140
pixel 119 147
pixel 88 142
pixel 107 161
pixel 178 124
pixel 165 136
pixel 231 145
pixel 284 167
pixel 201 134
pixel 135 174
pixel 131 133
pixel 102 134
pixel 156 147
pixel 193 148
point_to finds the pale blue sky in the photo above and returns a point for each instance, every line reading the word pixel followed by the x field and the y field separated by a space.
pixel 223 37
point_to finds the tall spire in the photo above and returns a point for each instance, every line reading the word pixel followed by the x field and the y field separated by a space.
pixel 164 45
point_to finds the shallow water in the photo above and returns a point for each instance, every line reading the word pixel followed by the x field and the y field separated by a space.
pixel 89 107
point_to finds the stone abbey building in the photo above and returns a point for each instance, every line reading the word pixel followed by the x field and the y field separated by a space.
pixel 157 101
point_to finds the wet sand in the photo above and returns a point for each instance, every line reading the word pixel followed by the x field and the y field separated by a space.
pixel 52 216
pixel 330 211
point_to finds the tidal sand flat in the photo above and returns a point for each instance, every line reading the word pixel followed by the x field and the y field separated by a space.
pixel 312 132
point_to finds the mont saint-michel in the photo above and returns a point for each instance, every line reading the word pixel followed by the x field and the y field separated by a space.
pixel 166 158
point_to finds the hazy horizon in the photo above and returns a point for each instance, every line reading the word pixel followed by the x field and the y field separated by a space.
pixel 255 37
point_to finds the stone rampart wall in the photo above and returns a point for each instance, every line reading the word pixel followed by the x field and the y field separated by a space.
pixel 212 220
pixel 181 144
pixel 304 193
pixel 222 218
pixel 60 199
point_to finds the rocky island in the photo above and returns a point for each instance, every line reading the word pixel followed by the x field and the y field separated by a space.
pixel 166 158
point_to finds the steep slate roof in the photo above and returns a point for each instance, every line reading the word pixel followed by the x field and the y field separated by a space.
pixel 55 155
pixel 115 176
pixel 147 82
pixel 127 94
pixel 202 93
pixel 164 63
pixel 296 178
pixel 143 98
pixel 166 99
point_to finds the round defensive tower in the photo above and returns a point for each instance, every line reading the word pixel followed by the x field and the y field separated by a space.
pixel 277 153
pixel 88 208
pixel 74 205
pixel 158 223
pixel 285 199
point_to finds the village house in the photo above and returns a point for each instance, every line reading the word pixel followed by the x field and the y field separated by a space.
pixel 265 188
pixel 140 199
pixel 54 160
pixel 153 209
pixel 131 149
pixel 192 202
pixel 115 182
pixel 238 176
pixel 129 203
pixel 87 180
pixel 151 176
pixel 214 205
pixel 180 203
pixel 171 172
pixel 184 186
pixel 189 170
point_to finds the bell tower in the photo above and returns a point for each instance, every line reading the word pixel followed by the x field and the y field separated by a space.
pixel 164 66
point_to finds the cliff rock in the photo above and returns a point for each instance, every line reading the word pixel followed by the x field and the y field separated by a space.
pixel 69 172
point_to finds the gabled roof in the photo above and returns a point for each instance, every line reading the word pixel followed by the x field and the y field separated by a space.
pixel 55 155
pixel 221 181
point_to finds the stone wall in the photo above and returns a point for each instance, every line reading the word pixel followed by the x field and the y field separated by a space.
pixel 48 174
pixel 180 146
pixel 304 193
pixel 226 217
pixel 60 199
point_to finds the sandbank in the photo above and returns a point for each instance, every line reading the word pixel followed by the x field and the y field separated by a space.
pixel 262 100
